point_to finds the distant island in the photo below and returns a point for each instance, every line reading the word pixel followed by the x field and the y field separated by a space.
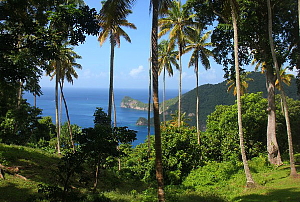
pixel 142 121
pixel 131 103
pixel 128 102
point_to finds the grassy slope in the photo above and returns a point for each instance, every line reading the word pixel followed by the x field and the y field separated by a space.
pixel 38 166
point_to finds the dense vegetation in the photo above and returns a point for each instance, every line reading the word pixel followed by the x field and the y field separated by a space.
pixel 40 161
pixel 210 171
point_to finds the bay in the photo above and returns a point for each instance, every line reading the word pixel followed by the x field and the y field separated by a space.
pixel 82 103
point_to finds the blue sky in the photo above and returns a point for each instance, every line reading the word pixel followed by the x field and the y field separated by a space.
pixel 131 59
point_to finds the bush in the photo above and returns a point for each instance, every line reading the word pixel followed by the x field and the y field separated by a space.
pixel 212 175
pixel 260 164
pixel 180 152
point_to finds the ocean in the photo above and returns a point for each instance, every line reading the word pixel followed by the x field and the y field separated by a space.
pixel 82 103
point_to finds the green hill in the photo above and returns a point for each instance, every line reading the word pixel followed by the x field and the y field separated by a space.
pixel 216 94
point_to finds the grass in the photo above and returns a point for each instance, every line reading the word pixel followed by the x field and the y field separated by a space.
pixel 279 187
pixel 35 165
pixel 274 184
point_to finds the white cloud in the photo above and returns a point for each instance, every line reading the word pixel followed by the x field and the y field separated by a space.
pixel 209 76
pixel 136 72
pixel 89 74
pixel 294 71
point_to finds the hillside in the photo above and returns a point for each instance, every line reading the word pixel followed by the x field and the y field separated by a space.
pixel 216 94
pixel 38 167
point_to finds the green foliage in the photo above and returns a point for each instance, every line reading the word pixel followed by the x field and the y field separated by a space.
pixel 181 154
pixel 221 142
pixel 31 34
pixel 38 166
pixel 212 95
pixel 44 131
pixel 65 135
pixel 227 179
pixel 17 125
pixel 212 175
pixel 98 146
pixel 260 164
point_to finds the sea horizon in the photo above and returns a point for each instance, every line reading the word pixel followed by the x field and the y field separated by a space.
pixel 82 103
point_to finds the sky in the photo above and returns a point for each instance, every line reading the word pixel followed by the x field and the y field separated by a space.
pixel 131 64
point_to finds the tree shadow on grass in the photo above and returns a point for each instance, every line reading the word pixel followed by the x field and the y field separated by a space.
pixel 198 198
pixel 280 195
pixel 10 192
pixel 35 166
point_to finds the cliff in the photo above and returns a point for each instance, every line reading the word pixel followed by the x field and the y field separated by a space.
pixel 131 103
pixel 128 102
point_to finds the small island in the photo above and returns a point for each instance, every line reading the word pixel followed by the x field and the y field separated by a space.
pixel 128 102
pixel 131 103
pixel 141 122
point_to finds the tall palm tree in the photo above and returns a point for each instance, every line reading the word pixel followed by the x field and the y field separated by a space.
pixel 158 6
pixel 282 94
pixel 63 68
pixel 234 10
pixel 198 43
pixel 112 18
pixel 177 21
pixel 166 58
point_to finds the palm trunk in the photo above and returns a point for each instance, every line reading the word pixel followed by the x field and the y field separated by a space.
pixel 56 107
pixel 19 101
pixel 282 94
pixel 149 109
pixel 179 92
pixel 250 181
pixel 111 74
pixel 115 125
pixel 164 97
pixel 20 94
pixel 60 108
pixel 96 174
pixel 34 98
pixel 115 109
pixel 197 100
pixel 158 150
pixel 68 117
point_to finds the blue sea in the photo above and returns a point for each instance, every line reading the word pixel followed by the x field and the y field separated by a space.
pixel 82 103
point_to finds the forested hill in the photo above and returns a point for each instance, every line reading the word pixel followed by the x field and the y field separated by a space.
pixel 216 94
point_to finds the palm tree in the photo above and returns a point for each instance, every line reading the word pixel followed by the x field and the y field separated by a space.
pixel 166 58
pixel 234 10
pixel 282 94
pixel 63 68
pixel 199 45
pixel 285 78
pixel 111 18
pixel 177 21
pixel 243 81
pixel 157 7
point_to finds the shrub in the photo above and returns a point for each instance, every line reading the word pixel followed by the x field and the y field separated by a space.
pixel 212 175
